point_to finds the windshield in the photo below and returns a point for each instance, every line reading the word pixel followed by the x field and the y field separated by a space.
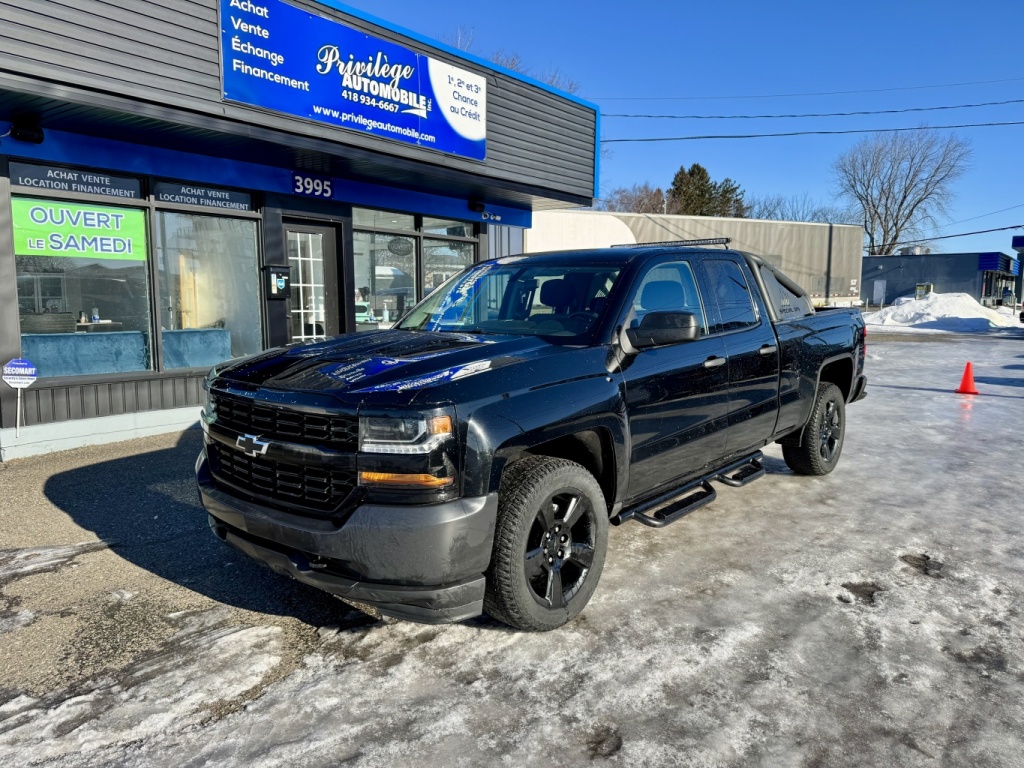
pixel 522 299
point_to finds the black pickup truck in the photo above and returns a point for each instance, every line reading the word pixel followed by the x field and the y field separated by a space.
pixel 471 458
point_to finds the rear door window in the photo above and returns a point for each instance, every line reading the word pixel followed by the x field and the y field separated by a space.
pixel 732 297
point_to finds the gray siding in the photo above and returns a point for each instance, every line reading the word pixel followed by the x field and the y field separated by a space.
pixel 46 405
pixel 168 53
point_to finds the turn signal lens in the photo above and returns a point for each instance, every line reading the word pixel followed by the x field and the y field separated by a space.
pixel 440 425
pixel 394 478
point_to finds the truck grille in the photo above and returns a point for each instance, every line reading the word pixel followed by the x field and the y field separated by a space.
pixel 291 485
pixel 338 431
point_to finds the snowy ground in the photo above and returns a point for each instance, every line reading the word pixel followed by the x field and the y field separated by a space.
pixel 872 617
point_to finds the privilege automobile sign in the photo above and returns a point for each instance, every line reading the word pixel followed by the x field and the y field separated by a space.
pixel 279 57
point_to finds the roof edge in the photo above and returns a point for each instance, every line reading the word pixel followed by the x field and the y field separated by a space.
pixel 479 61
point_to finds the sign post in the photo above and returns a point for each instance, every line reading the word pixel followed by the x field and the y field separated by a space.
pixel 19 374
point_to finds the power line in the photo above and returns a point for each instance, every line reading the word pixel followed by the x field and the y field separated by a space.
pixel 948 237
pixel 813 133
pixel 793 95
pixel 817 114
pixel 983 216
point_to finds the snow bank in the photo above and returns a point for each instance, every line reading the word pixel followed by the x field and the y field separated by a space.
pixel 953 312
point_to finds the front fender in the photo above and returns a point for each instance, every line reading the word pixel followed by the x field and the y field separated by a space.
pixel 503 430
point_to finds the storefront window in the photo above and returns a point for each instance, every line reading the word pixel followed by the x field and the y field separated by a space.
pixel 394 270
pixel 385 274
pixel 442 259
pixel 209 299
pixel 447 227
pixel 83 289
pixel 366 218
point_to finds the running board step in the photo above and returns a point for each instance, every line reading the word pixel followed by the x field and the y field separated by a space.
pixel 704 494
pixel 679 502
pixel 748 473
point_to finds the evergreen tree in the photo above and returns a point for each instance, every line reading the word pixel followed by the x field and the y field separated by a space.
pixel 693 193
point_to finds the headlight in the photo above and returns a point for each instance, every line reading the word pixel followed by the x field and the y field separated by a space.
pixel 409 457
pixel 404 434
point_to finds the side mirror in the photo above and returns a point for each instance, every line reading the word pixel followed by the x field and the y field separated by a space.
pixel 660 328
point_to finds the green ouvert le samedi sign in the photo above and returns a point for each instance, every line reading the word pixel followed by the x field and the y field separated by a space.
pixel 72 230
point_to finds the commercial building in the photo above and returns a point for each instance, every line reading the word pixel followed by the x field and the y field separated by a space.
pixel 1018 245
pixel 987 277
pixel 824 259
pixel 193 180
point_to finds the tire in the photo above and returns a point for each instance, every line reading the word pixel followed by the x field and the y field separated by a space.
pixel 549 544
pixel 819 452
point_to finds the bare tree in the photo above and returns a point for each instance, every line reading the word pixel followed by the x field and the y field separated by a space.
pixel 639 198
pixel 768 207
pixel 562 82
pixel 554 78
pixel 901 183
pixel 799 208
pixel 510 60
pixel 461 39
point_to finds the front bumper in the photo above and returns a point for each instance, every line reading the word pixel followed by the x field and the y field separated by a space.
pixel 424 563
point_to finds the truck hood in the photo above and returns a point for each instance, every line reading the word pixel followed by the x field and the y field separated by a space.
pixel 383 361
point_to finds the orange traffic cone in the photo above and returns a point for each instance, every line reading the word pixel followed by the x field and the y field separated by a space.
pixel 967 383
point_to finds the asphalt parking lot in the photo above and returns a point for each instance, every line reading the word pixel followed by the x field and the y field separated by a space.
pixel 871 617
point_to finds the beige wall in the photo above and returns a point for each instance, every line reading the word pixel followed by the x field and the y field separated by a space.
pixel 800 249
pixel 569 230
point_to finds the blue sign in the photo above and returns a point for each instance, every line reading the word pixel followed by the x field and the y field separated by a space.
pixel 276 56
pixel 19 373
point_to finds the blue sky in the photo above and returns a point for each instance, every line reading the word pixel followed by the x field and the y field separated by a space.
pixel 686 58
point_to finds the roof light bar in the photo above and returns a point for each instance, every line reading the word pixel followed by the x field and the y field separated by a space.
pixel 704 241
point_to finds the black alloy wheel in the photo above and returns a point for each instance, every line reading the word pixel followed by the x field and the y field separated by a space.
pixel 823 436
pixel 549 543
pixel 560 548
pixel 831 435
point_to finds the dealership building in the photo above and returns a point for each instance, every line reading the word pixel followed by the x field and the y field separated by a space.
pixel 194 180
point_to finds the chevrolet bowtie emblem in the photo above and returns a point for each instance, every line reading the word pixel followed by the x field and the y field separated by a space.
pixel 252 445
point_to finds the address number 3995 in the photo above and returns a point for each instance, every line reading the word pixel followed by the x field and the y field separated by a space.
pixel 311 186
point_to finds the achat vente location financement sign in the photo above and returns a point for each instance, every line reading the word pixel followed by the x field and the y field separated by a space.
pixel 276 56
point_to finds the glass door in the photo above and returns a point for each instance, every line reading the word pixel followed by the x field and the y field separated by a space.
pixel 312 256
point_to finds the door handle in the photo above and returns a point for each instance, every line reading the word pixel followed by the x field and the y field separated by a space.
pixel 714 362
pixel 768 349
